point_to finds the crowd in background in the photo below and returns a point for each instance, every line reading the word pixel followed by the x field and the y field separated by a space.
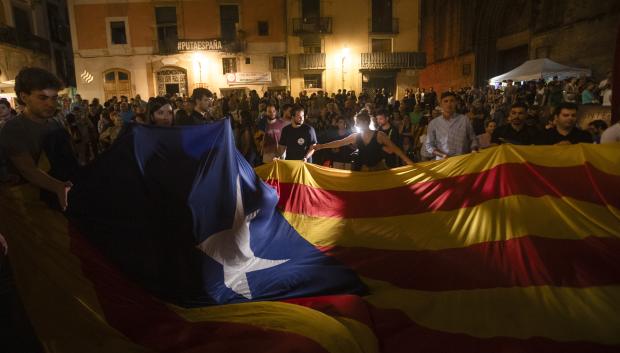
pixel 94 125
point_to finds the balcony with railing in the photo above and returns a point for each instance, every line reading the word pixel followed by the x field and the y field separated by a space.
pixel 312 25
pixel 233 46
pixel 312 61
pixel 400 60
pixel 25 40
pixel 383 26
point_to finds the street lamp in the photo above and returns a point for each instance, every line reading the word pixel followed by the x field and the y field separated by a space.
pixel 345 53
pixel 198 59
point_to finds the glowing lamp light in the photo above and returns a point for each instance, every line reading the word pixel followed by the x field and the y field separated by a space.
pixel 199 60
pixel 345 51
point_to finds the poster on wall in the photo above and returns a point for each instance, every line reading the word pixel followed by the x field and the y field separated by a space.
pixel 242 78
pixel 588 113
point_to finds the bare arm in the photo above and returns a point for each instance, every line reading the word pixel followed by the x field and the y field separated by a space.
pixel 26 167
pixel 338 143
pixel 387 142
pixel 310 152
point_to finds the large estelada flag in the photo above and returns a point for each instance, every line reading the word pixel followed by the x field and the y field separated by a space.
pixel 174 244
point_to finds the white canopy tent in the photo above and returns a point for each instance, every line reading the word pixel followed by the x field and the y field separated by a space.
pixel 541 69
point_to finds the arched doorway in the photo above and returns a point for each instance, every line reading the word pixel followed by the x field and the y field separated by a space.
pixel 116 82
pixel 171 80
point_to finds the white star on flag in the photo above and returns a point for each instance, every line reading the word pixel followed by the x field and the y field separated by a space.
pixel 231 248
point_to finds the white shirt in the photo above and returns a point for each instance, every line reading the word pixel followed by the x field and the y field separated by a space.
pixel 612 134
pixel 606 97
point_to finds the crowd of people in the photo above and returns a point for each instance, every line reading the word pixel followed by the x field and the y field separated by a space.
pixel 471 119
pixel 372 131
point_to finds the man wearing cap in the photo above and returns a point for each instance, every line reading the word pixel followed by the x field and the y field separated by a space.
pixel 450 134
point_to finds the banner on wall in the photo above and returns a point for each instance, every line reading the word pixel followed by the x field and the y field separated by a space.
pixel 240 78
pixel 203 44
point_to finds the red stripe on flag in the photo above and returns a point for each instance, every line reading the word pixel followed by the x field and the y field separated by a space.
pixel 398 333
pixel 520 262
pixel 150 323
pixel 346 305
pixel 454 192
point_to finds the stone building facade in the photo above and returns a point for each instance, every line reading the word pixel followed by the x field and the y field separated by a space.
pixel 468 42
pixel 164 47
pixel 152 47
pixel 354 45
pixel 34 33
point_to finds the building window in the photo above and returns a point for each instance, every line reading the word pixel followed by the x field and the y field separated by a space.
pixel 278 63
pixel 248 61
pixel 229 19
pixel 263 28
pixel 312 50
pixel 381 45
pixel 313 81
pixel 116 83
pixel 118 35
pixel 166 22
pixel 381 21
pixel 311 44
pixel 23 21
pixel 310 9
pixel 229 65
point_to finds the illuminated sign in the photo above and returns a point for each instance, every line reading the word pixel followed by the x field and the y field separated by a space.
pixel 203 44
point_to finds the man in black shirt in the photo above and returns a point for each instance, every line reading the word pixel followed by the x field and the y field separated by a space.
pixel 202 99
pixel 516 131
pixel 383 124
pixel 565 130
pixel 297 138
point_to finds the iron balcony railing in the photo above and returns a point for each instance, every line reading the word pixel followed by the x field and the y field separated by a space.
pixel 383 26
pixel 312 25
pixel 25 40
pixel 312 61
pixel 401 60
pixel 234 46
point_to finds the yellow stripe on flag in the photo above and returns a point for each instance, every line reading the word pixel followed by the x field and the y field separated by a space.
pixel 494 220
pixel 603 157
pixel 335 334
pixel 559 313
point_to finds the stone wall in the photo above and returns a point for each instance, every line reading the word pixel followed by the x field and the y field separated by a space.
pixel 572 32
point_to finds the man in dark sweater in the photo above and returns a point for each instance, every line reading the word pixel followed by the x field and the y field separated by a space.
pixel 565 130
pixel 516 131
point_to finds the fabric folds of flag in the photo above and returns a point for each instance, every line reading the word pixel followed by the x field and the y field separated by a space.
pixel 514 249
